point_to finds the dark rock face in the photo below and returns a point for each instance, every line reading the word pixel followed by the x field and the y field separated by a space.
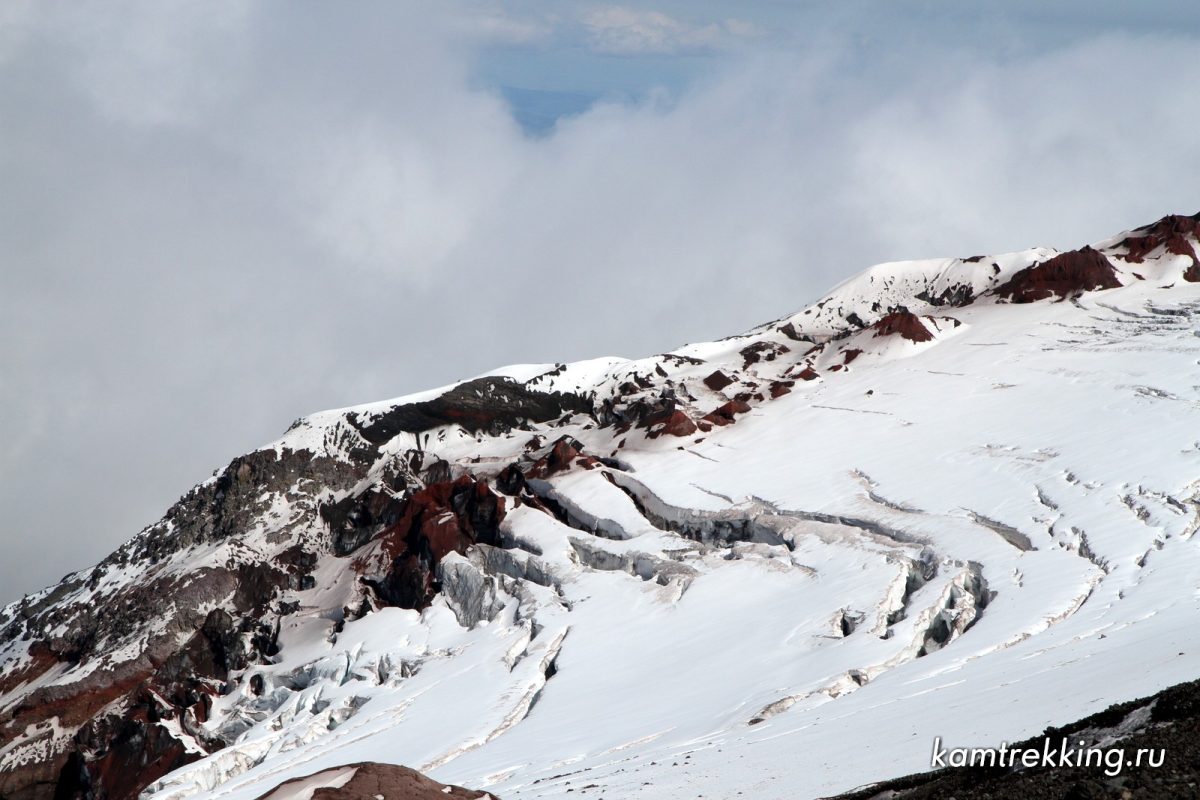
pixel 956 296
pixel 372 780
pixel 355 520
pixel 1066 275
pixel 225 507
pixel 492 405
pixel 440 519
pixel 119 746
pixel 717 381
pixel 136 720
pixel 511 481
pixel 725 413
pixel 678 424
pixel 563 453
pixel 789 330
pixel 645 412
pixel 121 742
pixel 1171 723
pixel 780 388
pixel 118 753
pixel 903 323
pixel 761 351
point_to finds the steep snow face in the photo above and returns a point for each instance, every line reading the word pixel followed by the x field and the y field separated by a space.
pixel 954 498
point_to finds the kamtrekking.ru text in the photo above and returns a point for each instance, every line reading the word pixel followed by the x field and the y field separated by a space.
pixel 1064 755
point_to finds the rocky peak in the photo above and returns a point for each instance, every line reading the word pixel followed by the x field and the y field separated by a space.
pixel 1175 233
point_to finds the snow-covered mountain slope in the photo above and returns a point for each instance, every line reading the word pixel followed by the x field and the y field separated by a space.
pixel 1166 723
pixel 953 498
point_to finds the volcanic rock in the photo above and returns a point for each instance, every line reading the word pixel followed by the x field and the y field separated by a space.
pixel 903 323
pixel 1066 275
pixel 370 781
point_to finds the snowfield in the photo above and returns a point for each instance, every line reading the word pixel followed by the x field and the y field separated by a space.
pixel 966 520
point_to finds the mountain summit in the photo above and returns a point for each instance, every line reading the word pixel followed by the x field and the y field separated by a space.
pixel 953 498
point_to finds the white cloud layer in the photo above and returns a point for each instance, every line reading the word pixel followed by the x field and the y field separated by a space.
pixel 619 30
pixel 217 218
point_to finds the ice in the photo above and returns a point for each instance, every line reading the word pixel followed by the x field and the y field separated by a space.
pixel 971 537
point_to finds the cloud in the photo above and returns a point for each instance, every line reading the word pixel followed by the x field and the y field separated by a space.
pixel 619 30
pixel 300 208
pixel 160 63
pixel 14 26
pixel 495 25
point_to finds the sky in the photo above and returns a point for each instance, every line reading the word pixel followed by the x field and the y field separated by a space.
pixel 216 217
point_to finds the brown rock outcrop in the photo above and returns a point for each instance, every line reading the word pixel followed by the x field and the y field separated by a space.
pixel 902 322
pixel 440 519
pixel 1174 233
pixel 1066 275
pixel 371 781
pixel 717 381
pixel 724 414
pixel 678 424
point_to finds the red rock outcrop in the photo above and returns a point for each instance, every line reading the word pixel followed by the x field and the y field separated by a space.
pixel 903 323
pixel 717 381
pixel 370 781
pixel 136 738
pixel 120 745
pixel 1174 233
pixel 724 413
pixel 678 424
pixel 563 454
pixel 1066 275
pixel 780 388
pixel 440 519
